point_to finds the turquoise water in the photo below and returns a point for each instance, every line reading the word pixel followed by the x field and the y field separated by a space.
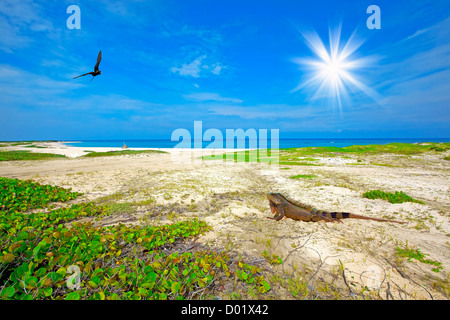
pixel 283 143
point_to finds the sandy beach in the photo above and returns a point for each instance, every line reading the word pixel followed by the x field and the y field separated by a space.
pixel 352 259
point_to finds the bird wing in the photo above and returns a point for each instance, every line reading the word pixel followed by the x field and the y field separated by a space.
pixel 99 58
pixel 84 74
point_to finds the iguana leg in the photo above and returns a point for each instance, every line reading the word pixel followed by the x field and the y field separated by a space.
pixel 281 215
pixel 274 217
pixel 277 214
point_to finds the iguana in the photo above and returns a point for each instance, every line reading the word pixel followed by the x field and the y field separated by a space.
pixel 284 207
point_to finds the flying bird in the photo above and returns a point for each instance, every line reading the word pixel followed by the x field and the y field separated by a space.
pixel 96 71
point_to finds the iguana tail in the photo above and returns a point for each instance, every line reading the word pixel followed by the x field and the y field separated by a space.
pixel 345 215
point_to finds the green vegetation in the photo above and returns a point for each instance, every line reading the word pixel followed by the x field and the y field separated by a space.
pixel 18 195
pixel 303 156
pixel 250 274
pixel 447 158
pixel 121 207
pixel 92 154
pixel 397 148
pixel 411 253
pixel 20 143
pixel 304 176
pixel 27 155
pixel 50 255
pixel 397 197
pixel 273 259
pixel 259 155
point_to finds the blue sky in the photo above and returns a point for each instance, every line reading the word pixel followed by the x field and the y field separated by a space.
pixel 231 64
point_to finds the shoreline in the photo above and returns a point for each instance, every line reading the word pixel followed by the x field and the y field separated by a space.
pixel 60 147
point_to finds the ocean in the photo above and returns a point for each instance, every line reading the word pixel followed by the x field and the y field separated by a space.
pixel 282 143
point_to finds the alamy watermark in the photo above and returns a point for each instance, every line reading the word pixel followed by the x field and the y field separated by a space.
pixel 238 145
pixel 73 281
pixel 374 20
pixel 74 20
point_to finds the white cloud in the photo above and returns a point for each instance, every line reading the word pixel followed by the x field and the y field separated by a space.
pixel 195 68
pixel 191 69
pixel 418 33
pixel 419 77
pixel 21 85
pixel 22 88
pixel 17 20
pixel 216 70
pixel 278 111
pixel 210 96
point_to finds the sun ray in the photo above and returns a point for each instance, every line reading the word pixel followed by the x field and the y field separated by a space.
pixel 332 72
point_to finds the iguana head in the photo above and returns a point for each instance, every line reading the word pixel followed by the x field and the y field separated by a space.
pixel 275 199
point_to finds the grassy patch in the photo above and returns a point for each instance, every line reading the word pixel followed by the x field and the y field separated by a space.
pixel 447 158
pixel 272 258
pixel 121 207
pixel 304 176
pixel 397 148
pixel 120 153
pixel 19 143
pixel 301 156
pixel 26 155
pixel 259 155
pixel 397 197
pixel 411 253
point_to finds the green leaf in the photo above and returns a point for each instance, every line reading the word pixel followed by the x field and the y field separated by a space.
pixel 94 281
pixel 40 272
pixel 73 296
pixel 98 272
pixel 152 276
pixel 175 287
pixel 31 282
pixel 48 291
pixel 114 296
pixel 148 285
pixel 61 271
pixel 148 269
pixel 8 292
pixel 266 285
pixel 162 296
pixel 23 235
pixel 55 277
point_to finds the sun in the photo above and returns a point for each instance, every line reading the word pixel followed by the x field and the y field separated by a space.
pixel 332 72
